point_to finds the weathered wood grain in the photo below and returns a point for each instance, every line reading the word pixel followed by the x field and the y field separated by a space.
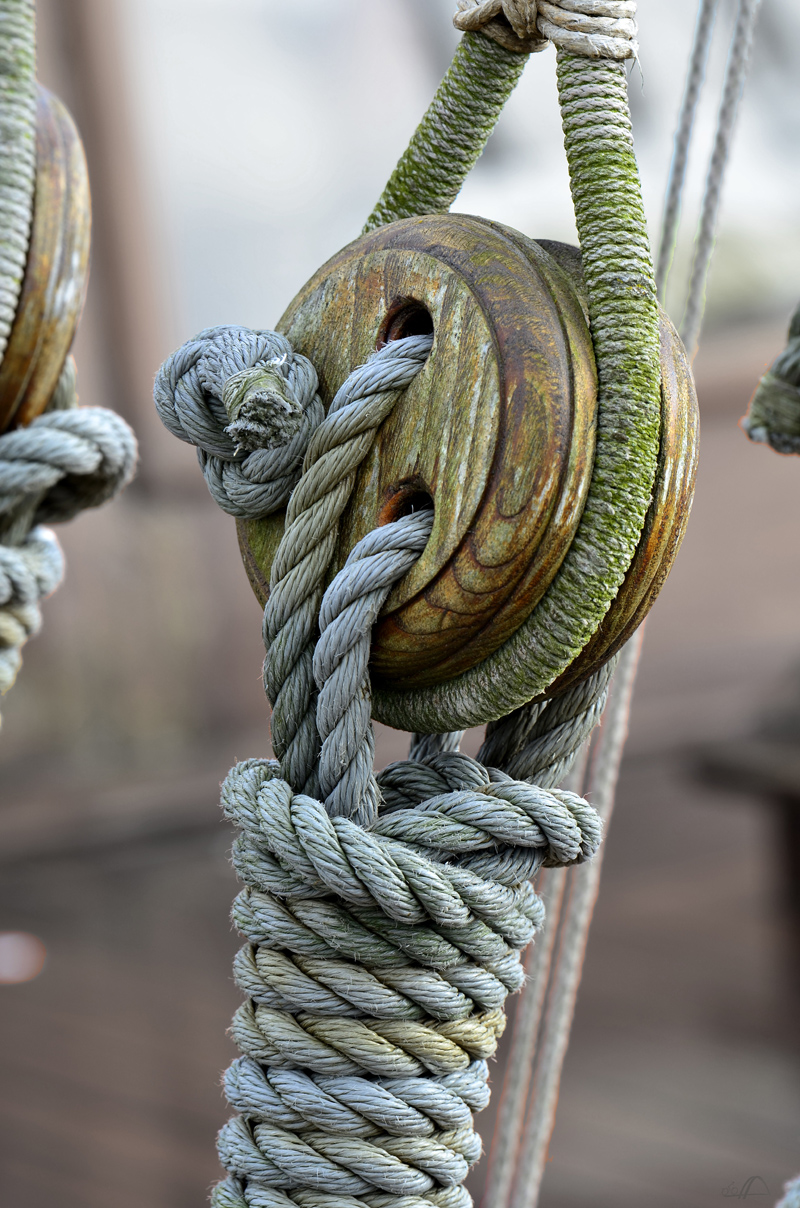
pixel 57 268
pixel 498 430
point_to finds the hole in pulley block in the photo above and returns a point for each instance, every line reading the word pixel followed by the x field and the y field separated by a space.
pixel 406 317
pixel 404 500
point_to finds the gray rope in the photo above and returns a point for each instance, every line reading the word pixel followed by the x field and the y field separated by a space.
pixel 250 405
pixel 17 151
pixel 28 572
pixel 774 414
pixel 337 448
pixel 698 60
pixel 735 74
pixel 66 460
pixel 377 954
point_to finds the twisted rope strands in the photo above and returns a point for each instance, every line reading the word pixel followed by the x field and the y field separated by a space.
pixel 337 448
pixel 17 151
pixel 65 460
pixel 695 76
pixel 773 416
pixel 377 954
pixel 453 132
pixel 249 404
pixel 521 1055
pixel 582 890
pixel 735 74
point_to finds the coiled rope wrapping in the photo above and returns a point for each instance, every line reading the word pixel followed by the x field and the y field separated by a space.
pixel 17 151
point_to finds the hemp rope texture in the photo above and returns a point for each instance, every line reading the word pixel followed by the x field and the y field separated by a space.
pixel 436 913
pixel 66 460
pixel 17 151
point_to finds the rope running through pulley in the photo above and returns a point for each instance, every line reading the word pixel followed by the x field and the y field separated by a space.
pixel 365 450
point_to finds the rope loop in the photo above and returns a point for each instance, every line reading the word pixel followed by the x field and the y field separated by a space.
pixel 594 29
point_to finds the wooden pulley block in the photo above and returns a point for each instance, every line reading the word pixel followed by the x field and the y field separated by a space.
pixel 56 271
pixel 497 432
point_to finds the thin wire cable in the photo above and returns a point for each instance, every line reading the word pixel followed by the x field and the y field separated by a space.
pixel 695 77
pixel 576 918
pixel 735 73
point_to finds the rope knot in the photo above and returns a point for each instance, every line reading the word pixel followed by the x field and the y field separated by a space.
pixel 263 411
pixel 595 29
pixel 249 403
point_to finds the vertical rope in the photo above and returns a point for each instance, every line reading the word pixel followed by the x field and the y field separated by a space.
pixel 17 151
pixel 683 137
pixel 735 73
pixel 453 132
pixel 514 1093
pixel 577 912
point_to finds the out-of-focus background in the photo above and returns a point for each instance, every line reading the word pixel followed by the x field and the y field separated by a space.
pixel 234 145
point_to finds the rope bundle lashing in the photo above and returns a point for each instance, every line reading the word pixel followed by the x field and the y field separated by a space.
pixel 250 405
pixel 595 29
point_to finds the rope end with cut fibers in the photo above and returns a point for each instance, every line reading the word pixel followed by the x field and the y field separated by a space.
pixel 773 417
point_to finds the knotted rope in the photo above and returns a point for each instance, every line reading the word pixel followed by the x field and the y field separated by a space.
pixel 774 414
pixel 595 29
pixel 66 460
pixel 385 915
pixel 385 924
pixel 249 403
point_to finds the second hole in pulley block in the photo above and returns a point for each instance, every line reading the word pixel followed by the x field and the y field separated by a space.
pixel 405 499
pixel 405 317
